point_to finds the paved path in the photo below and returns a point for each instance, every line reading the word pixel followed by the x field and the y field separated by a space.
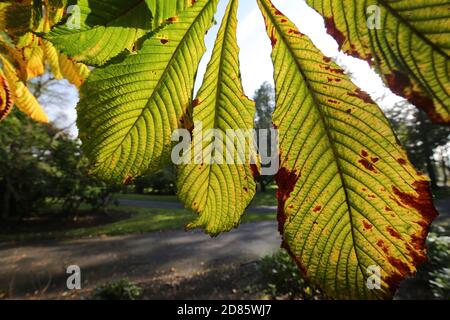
pixel 39 265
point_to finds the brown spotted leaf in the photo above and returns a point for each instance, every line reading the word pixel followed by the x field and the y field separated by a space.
pixel 217 189
pixel 128 110
pixel 408 42
pixel 350 202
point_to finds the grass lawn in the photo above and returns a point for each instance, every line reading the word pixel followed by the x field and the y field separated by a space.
pixel 146 197
pixel 141 221
pixel 144 220
pixel 267 198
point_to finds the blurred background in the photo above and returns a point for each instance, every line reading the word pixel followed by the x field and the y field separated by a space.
pixel 129 241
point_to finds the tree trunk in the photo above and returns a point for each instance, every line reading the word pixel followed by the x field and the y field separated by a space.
pixel 428 150
pixel 263 186
pixel 6 204
pixel 432 173
pixel 444 172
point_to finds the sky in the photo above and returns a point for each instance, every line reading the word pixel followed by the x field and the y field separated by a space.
pixel 255 50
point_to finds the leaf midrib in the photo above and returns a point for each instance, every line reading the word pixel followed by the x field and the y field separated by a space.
pixel 219 87
pixel 330 139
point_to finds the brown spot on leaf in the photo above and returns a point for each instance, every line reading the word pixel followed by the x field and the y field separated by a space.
pixel 273 39
pixel 402 161
pixel 195 103
pixel 364 153
pixel 401 85
pixel 422 201
pixel 164 41
pixel 368 165
pixel 398 82
pixel 128 180
pixel 255 171
pixel 286 181
pixel 375 159
pixel 392 232
pixel 293 31
pixel 395 279
pixel 172 19
pixel 382 245
pixel 317 208
pixel 364 96
pixel 334 31
pixel 367 225
pixel 355 53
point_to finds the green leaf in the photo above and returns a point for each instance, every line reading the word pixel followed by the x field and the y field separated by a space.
pixel 219 191
pixel 166 10
pixel 129 110
pixel 107 27
pixel 410 47
pixel 349 200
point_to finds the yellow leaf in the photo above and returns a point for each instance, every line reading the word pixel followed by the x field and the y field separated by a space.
pixel 52 58
pixel 74 72
pixel 23 98
pixel 353 211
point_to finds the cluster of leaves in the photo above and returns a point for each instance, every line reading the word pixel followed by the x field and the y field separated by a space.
pixel 348 197
pixel 40 167
pixel 118 290
pixel 24 54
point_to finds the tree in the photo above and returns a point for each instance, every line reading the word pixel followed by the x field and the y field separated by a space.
pixel 23 171
pixel 41 165
pixel 348 197
pixel 420 137
pixel 264 98
pixel 161 182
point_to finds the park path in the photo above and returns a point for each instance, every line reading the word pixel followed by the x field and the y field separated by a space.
pixel 27 268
